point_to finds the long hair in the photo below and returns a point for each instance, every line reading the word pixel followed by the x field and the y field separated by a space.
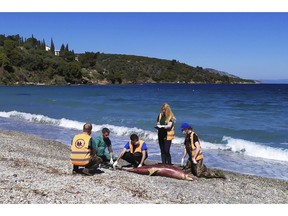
pixel 168 113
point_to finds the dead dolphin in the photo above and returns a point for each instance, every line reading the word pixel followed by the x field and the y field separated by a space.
pixel 162 170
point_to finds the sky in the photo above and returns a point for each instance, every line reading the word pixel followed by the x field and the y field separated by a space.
pixel 251 45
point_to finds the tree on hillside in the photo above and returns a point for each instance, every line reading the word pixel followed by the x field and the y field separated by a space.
pixel 52 47
pixel 4 61
pixel 88 59
pixel 65 54
pixel 9 45
pixel 16 57
pixel 43 44
pixel 71 72
pixel 34 62
pixel 31 43
pixel 27 61
pixel 2 39
pixel 62 48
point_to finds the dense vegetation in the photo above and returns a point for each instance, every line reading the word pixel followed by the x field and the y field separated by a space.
pixel 31 61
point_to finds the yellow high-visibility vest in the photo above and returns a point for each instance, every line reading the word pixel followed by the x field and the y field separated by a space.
pixel 193 148
pixel 80 154
pixel 170 133
pixel 138 147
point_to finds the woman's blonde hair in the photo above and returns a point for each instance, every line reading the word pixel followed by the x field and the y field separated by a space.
pixel 168 113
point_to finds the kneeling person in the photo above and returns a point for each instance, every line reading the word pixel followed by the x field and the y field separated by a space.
pixel 102 143
pixel 193 149
pixel 134 152
pixel 83 151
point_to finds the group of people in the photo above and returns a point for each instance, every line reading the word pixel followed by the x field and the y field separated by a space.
pixel 89 153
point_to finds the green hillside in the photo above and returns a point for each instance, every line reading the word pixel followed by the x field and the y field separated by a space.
pixel 31 61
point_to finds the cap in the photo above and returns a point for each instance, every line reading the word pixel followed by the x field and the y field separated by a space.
pixel 184 126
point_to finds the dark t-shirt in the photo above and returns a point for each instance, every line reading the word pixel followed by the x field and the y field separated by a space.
pixel 187 142
pixel 162 132
pixel 107 142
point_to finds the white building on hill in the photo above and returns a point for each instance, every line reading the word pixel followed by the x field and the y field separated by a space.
pixel 56 53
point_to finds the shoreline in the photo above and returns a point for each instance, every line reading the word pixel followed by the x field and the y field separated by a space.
pixel 144 83
pixel 130 83
pixel 38 171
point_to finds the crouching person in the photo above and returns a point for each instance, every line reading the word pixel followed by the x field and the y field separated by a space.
pixel 134 152
pixel 195 161
pixel 102 143
pixel 83 152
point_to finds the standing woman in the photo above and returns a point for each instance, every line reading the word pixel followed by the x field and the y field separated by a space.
pixel 165 126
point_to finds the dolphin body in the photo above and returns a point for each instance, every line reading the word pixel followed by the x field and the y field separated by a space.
pixel 162 170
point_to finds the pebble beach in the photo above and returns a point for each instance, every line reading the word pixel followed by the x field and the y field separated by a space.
pixel 38 171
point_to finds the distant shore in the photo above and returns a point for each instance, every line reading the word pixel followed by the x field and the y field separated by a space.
pixel 38 171
pixel 130 83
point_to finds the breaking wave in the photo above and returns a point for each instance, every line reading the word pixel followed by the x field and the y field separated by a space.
pixel 228 143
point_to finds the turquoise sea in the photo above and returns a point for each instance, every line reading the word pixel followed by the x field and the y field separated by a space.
pixel 242 128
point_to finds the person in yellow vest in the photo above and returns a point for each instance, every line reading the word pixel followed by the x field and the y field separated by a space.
pixel 134 152
pixel 194 151
pixel 83 152
pixel 165 127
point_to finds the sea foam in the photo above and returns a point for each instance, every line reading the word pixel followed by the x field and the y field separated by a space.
pixel 228 143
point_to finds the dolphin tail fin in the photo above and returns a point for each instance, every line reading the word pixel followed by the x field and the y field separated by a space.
pixel 188 177
pixel 152 171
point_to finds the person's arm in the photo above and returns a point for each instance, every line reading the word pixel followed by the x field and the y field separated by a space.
pixel 143 157
pixel 183 157
pixel 158 126
pixel 97 142
pixel 118 158
pixel 92 146
pixel 111 154
pixel 158 120
pixel 110 151
pixel 144 153
pixel 168 126
pixel 184 153
pixel 121 154
pixel 197 145
pixel 126 147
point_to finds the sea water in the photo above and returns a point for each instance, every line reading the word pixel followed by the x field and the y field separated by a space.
pixel 242 128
